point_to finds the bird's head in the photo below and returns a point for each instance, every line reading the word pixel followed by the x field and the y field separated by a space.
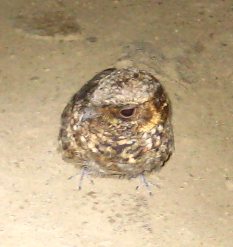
pixel 128 101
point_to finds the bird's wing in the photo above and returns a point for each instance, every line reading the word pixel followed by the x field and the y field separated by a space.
pixel 67 143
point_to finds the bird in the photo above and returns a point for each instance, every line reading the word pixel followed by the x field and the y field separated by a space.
pixel 118 124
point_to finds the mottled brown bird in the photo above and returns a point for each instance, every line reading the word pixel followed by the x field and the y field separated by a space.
pixel 118 123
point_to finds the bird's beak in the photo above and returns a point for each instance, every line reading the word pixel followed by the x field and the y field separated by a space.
pixel 90 113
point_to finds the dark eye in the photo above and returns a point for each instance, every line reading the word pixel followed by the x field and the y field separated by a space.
pixel 127 113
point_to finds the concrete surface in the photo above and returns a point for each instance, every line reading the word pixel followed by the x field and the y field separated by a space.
pixel 48 49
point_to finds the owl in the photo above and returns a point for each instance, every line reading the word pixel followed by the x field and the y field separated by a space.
pixel 118 124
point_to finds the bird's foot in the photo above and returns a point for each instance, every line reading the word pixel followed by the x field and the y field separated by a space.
pixel 146 184
pixel 84 173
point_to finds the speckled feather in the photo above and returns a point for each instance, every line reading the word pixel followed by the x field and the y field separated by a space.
pixel 118 123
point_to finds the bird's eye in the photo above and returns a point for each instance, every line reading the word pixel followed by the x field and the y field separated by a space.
pixel 127 113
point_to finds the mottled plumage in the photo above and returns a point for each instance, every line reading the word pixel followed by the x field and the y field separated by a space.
pixel 118 123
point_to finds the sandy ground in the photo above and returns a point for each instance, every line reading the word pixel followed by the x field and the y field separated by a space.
pixel 47 51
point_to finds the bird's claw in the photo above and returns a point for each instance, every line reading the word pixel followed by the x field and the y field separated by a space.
pixel 146 184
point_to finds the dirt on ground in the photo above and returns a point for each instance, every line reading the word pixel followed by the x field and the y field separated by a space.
pixel 48 49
